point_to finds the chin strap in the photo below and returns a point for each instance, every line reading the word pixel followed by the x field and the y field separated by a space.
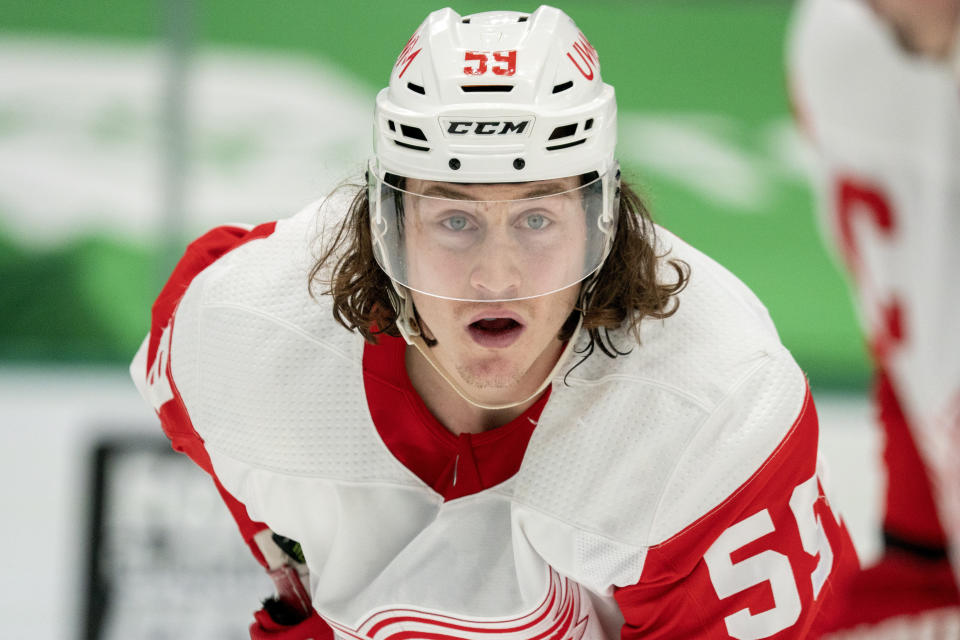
pixel 410 330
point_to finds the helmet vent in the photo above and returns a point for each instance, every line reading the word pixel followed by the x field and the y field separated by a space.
pixel 465 21
pixel 413 132
pixel 486 88
pixel 392 126
pixel 588 124
pixel 563 86
pixel 564 131
pixel 522 18
pixel 566 145
pixel 415 147
pixel 416 88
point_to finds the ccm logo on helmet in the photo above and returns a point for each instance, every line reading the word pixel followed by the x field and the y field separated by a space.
pixel 468 127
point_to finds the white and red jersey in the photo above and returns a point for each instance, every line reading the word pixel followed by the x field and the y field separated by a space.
pixel 886 128
pixel 673 492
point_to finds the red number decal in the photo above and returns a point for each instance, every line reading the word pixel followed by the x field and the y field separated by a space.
pixel 480 58
pixel 510 57
pixel 507 60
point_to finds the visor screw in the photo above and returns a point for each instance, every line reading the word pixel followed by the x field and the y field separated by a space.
pixel 454 164
pixel 519 163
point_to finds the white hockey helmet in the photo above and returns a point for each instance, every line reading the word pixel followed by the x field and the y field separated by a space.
pixel 501 98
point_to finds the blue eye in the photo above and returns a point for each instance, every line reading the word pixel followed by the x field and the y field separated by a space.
pixel 536 221
pixel 455 223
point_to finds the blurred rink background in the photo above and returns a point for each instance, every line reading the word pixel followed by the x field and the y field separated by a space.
pixel 128 127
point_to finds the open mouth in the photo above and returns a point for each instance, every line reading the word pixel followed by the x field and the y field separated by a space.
pixel 495 332
pixel 495 325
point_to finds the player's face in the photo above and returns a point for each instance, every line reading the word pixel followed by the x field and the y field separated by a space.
pixel 502 349
pixel 494 241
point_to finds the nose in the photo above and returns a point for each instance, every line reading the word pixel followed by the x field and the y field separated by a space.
pixel 496 273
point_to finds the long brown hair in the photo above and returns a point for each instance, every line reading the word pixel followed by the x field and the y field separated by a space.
pixel 626 286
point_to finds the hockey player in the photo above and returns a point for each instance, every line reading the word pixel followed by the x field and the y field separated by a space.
pixel 877 89
pixel 484 394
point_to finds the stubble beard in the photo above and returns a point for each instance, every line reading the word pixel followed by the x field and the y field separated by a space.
pixel 488 380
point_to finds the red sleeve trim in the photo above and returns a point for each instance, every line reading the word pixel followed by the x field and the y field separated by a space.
pixel 174 418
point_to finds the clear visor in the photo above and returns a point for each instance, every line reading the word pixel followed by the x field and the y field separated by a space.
pixel 491 242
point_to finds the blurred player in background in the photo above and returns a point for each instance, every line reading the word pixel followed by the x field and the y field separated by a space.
pixel 483 396
pixel 876 87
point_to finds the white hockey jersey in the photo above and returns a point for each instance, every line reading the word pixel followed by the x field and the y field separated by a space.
pixel 886 127
pixel 669 493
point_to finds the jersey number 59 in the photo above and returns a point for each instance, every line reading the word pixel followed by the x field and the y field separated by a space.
pixel 729 577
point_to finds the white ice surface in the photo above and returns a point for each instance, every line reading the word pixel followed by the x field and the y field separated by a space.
pixel 49 419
